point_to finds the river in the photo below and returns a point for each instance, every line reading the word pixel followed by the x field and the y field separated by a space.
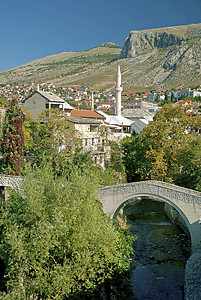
pixel 161 250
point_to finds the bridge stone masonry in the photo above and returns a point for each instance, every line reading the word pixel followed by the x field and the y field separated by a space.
pixel 10 181
pixel 13 182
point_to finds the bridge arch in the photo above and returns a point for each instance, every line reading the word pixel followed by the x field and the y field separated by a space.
pixel 130 198
pixel 186 202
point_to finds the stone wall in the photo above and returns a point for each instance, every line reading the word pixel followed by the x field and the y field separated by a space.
pixel 176 218
pixel 193 277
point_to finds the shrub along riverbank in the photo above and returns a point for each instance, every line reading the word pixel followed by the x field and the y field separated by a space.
pixel 56 241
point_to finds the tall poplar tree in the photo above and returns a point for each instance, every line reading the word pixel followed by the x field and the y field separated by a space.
pixel 12 139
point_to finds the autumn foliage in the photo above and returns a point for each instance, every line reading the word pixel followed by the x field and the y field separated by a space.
pixel 12 139
pixel 159 152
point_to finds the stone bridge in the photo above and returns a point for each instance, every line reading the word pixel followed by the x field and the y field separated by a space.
pixel 186 202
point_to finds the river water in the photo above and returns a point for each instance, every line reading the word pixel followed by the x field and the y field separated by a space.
pixel 161 250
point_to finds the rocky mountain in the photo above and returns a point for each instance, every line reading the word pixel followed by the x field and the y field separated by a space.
pixel 164 58
pixel 150 59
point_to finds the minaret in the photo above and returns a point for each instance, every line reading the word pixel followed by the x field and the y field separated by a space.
pixel 92 101
pixel 119 89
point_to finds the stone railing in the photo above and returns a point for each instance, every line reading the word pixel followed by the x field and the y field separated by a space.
pixel 10 181
pixel 153 187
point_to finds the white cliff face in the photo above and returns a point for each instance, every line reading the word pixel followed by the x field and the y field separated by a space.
pixel 139 42
pixel 163 58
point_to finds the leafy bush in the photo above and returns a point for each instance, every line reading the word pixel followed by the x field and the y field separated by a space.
pixel 56 241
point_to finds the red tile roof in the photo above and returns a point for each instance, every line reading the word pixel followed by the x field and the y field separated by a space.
pixel 86 114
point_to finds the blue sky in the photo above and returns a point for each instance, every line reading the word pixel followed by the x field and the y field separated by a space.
pixel 32 29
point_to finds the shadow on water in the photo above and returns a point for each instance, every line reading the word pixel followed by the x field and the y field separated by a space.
pixel 161 250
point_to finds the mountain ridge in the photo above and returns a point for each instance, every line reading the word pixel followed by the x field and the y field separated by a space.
pixel 159 58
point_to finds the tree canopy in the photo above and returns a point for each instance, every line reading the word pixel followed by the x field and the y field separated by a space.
pixel 56 134
pixel 56 241
pixel 154 153
pixel 189 160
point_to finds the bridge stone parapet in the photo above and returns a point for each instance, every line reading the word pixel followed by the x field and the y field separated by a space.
pixel 11 181
pixel 153 187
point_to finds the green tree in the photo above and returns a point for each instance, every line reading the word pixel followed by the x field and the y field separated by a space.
pixel 154 153
pixel 173 99
pixel 157 99
pixel 189 160
pixel 73 103
pixel 56 136
pixel 82 161
pixel 170 132
pixel 134 149
pixel 12 139
pixel 29 128
pixel 56 241
pixel 131 99
pixel 116 162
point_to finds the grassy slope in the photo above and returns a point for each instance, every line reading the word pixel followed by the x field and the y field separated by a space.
pixel 61 65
